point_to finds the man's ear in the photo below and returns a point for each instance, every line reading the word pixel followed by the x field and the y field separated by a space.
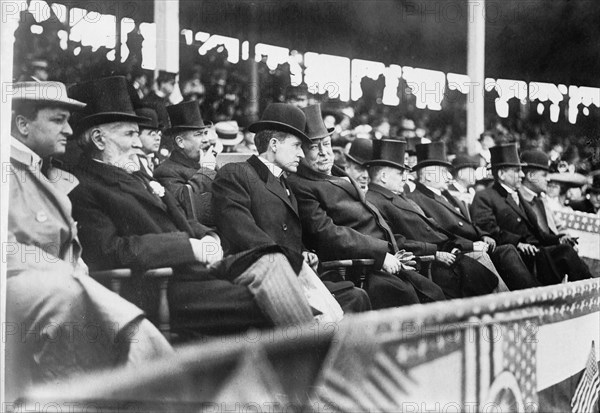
pixel 98 139
pixel 273 144
pixel 22 125
pixel 179 141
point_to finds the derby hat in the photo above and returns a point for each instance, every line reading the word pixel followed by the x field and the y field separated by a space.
pixel 315 128
pixel 505 155
pixel 52 93
pixel 361 151
pixel 462 161
pixel 229 132
pixel 152 116
pixel 282 117
pixel 107 101
pixel 186 116
pixel 536 160
pixel 389 152
pixel 430 154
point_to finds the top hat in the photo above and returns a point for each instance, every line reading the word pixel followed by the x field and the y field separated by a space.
pixel 229 132
pixel 152 116
pixel 505 155
pixel 462 161
pixel 315 128
pixel 361 151
pixel 389 152
pixel 282 117
pixel 536 160
pixel 107 101
pixel 430 154
pixel 54 93
pixel 186 116
pixel 411 144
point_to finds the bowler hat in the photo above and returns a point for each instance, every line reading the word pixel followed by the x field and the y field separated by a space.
pixel 536 160
pixel 152 116
pixel 315 128
pixel 107 101
pixel 361 151
pixel 462 161
pixel 430 154
pixel 282 117
pixel 505 155
pixel 54 93
pixel 186 116
pixel 389 152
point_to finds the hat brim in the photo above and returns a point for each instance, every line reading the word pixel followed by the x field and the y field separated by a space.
pixel 107 117
pixel 382 162
pixel 540 167
pixel 231 142
pixel 262 125
pixel 355 160
pixel 465 165
pixel 508 164
pixel 329 133
pixel 423 164
pixel 188 127
pixel 67 103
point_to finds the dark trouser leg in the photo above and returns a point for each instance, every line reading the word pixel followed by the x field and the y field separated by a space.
pixel 555 261
pixel 354 300
pixel 512 269
pixel 465 278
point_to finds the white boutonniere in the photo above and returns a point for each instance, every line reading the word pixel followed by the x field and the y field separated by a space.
pixel 157 189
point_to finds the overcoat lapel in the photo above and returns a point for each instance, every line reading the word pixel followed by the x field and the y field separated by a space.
pixel 272 184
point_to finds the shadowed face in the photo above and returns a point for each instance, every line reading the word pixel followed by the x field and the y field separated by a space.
pixel 192 142
pixel 357 172
pixel 319 155
pixel 150 140
pixel 538 181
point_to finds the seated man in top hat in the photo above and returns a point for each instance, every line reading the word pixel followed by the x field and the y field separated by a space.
pixel 533 191
pixel 127 220
pixel 357 156
pixel 508 218
pixel 253 205
pixel 51 300
pixel 432 196
pixel 338 223
pixel 182 173
pixel 150 136
pixel 458 275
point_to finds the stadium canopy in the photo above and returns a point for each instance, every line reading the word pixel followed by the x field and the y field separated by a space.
pixel 534 40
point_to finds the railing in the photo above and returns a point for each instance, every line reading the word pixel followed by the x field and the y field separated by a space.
pixel 505 352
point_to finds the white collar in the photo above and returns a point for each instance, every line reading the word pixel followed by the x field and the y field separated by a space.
pixel 527 193
pixel 275 170
pixel 508 189
pixel 460 187
pixel 34 160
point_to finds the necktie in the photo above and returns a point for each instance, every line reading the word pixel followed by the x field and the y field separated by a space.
pixel 283 183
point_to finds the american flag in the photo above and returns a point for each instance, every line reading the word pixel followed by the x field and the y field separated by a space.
pixel 588 388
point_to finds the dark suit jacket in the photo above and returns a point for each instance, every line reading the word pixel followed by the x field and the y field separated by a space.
pixel 337 222
pixel 121 224
pixel 251 208
pixel 447 215
pixel 177 172
pixel 495 211
pixel 414 231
